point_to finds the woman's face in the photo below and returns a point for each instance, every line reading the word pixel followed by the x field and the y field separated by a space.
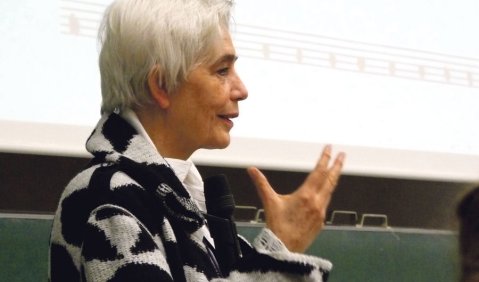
pixel 204 106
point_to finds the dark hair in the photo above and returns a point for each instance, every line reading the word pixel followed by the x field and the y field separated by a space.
pixel 468 214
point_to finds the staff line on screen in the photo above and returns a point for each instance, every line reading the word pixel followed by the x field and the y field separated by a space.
pixel 82 18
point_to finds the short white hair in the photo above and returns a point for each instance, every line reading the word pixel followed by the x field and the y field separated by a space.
pixel 136 35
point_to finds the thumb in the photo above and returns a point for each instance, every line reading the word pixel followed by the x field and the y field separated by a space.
pixel 264 189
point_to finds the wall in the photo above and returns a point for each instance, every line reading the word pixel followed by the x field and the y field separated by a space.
pixel 33 183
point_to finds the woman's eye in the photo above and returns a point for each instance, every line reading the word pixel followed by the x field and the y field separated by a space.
pixel 223 71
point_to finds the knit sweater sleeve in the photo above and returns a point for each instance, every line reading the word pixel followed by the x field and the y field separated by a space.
pixel 269 260
pixel 267 243
pixel 117 247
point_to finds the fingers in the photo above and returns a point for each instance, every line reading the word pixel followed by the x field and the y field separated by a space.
pixel 265 191
pixel 325 157
pixel 337 167
pixel 326 174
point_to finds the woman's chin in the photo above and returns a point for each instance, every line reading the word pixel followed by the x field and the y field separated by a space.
pixel 219 143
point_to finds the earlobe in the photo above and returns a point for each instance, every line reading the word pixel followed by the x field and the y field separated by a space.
pixel 158 92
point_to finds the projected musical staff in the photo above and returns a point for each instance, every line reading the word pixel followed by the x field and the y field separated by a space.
pixel 352 56
pixel 82 18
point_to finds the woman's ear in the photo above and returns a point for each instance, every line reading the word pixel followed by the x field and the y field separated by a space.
pixel 158 92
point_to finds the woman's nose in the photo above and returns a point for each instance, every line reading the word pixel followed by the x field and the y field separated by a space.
pixel 239 90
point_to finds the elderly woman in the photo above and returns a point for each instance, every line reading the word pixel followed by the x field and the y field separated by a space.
pixel 136 213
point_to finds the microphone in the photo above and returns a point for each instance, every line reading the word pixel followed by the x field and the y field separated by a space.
pixel 220 206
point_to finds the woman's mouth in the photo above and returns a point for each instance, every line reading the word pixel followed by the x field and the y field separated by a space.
pixel 228 118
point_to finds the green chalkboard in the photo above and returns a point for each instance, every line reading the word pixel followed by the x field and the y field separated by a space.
pixel 24 249
pixel 384 254
pixel 358 254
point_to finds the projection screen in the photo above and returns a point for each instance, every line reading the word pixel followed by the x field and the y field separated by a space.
pixel 394 84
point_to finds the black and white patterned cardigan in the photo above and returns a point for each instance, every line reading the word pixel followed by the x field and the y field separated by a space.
pixel 127 217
